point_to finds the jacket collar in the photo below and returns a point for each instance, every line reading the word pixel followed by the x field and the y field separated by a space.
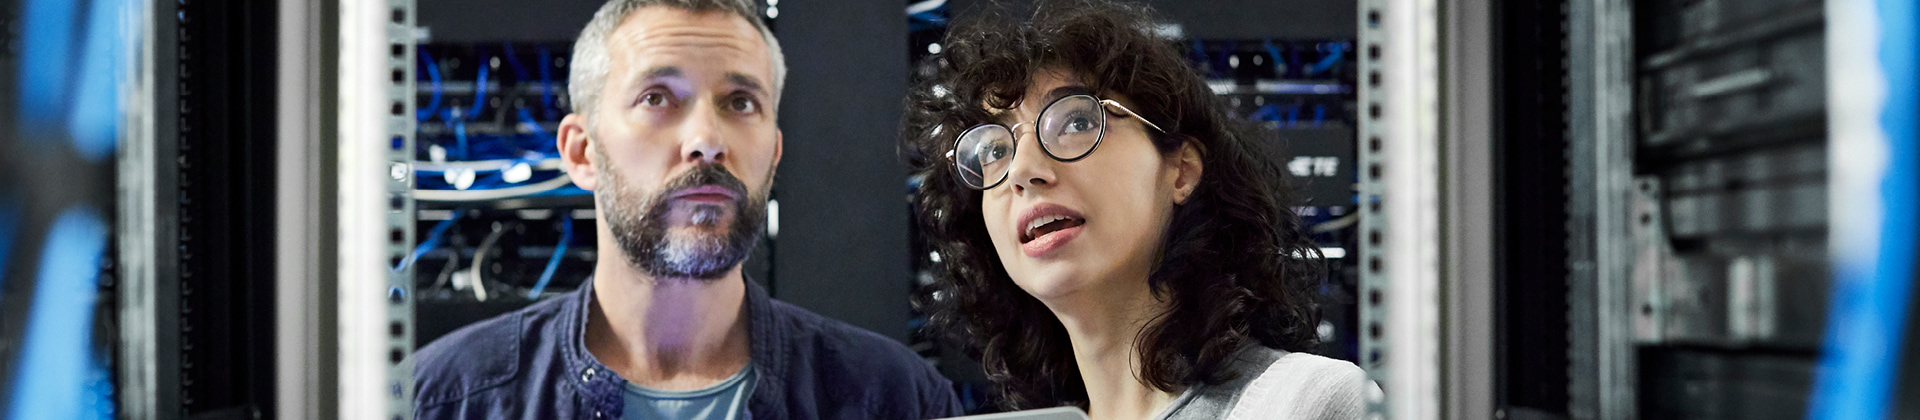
pixel 764 335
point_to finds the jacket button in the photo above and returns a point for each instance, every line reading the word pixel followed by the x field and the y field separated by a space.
pixel 587 376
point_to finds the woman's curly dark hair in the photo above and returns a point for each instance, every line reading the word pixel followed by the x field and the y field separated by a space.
pixel 1234 267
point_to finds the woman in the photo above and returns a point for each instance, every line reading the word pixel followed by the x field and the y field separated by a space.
pixel 1109 238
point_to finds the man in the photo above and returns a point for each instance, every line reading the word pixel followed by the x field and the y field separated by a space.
pixel 673 129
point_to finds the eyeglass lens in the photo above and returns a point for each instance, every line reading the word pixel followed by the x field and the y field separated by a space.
pixel 1068 129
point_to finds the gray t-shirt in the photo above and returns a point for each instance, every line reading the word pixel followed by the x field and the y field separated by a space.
pixel 1276 384
pixel 726 400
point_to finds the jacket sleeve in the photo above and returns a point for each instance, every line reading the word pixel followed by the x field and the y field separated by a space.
pixel 938 397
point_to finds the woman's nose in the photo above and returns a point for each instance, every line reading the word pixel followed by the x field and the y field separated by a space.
pixel 1030 167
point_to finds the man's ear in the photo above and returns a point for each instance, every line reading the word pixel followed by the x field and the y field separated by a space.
pixel 575 151
pixel 1187 166
pixel 779 146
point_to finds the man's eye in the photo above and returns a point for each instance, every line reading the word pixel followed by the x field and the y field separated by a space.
pixel 653 99
pixel 744 105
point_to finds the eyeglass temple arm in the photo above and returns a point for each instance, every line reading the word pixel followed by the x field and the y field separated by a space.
pixel 1123 108
pixel 963 168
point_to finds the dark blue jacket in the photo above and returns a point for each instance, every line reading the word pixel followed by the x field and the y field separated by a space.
pixel 533 364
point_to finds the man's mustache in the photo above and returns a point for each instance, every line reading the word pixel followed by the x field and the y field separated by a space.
pixel 707 175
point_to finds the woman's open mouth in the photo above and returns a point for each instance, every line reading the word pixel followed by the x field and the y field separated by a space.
pixel 1047 227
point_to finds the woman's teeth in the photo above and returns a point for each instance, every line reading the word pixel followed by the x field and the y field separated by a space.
pixel 1038 226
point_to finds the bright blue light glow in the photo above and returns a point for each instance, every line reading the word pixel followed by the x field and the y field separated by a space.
pixel 94 122
pixel 58 375
pixel 1871 291
pixel 46 42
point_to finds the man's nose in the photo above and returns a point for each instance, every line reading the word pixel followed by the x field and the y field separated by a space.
pixel 702 140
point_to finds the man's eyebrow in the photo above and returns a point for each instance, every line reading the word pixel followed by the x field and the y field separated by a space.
pixel 659 72
pixel 663 72
pixel 748 82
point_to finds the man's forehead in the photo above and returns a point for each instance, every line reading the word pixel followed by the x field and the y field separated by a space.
pixel 656 36
pixel 663 26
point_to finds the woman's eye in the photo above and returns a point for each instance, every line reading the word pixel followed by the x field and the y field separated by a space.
pixel 1079 124
pixel 653 99
pixel 993 153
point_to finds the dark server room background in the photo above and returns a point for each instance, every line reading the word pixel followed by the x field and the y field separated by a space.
pixel 1627 208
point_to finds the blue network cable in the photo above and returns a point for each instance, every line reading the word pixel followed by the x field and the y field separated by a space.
pixel 560 250
pixel 546 83
pixel 1268 112
pixel 459 133
pixel 433 78
pixel 519 71
pixel 479 91
pixel 1273 53
pixel 1332 59
pixel 433 241
pixel 526 117
pixel 1200 50
pixel 1293 62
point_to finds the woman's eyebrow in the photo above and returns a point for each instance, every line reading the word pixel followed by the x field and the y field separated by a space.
pixel 1065 91
pixel 1003 115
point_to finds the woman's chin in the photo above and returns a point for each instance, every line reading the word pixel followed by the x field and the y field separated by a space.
pixel 1051 285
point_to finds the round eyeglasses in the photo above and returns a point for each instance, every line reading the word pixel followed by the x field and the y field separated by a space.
pixel 1069 129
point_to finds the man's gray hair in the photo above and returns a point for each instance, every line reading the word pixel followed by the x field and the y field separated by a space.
pixel 590 63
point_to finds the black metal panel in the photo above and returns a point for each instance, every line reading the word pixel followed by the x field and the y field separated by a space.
pixel 842 248
pixel 1531 237
pixel 1234 19
pixel 1731 122
pixel 1730 144
pixel 225 175
pixel 1698 383
pixel 487 21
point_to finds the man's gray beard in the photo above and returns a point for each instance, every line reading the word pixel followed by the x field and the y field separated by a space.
pixel 639 224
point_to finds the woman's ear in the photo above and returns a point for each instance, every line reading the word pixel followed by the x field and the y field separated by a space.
pixel 1187 166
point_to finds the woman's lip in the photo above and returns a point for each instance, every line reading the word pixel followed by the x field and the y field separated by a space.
pixel 1048 244
pixel 1038 211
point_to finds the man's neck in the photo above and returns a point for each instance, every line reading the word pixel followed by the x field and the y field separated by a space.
pixel 667 333
pixel 1104 325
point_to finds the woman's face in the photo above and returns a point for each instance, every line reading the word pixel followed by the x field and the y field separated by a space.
pixel 1094 224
